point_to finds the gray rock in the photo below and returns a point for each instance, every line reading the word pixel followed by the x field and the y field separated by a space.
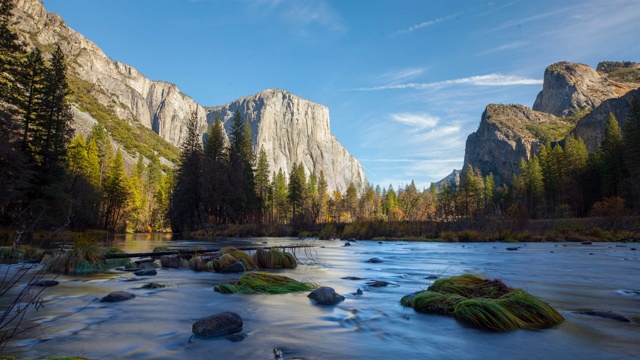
pixel 46 283
pixel 325 296
pixel 570 86
pixel 378 283
pixel 605 314
pixel 117 296
pixel 236 267
pixel 220 324
pixel 174 262
pixel 146 272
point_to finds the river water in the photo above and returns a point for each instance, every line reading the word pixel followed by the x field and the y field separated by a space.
pixel 157 323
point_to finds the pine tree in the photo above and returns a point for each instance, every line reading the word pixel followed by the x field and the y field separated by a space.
pixel 262 180
pixel 280 196
pixel 244 204
pixel 186 209
pixel 297 182
pixel 632 151
pixel 30 99
pixel 612 158
pixel 116 194
pixel 100 137
pixel 215 148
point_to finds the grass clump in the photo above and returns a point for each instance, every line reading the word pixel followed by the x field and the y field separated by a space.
pixel 484 303
pixel 264 283
pixel 274 259
pixel 22 252
pixel 86 256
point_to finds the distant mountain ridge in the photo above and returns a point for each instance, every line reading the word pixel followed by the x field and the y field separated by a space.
pixel 108 90
pixel 574 99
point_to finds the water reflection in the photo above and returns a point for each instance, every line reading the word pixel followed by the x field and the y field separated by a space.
pixel 157 324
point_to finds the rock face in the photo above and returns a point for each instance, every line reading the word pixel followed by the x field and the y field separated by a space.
pixel 155 104
pixel 591 127
pixel 289 128
pixel 507 133
pixel 569 86
pixel 225 323
pixel 294 130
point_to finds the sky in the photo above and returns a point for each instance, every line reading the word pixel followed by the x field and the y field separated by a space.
pixel 405 81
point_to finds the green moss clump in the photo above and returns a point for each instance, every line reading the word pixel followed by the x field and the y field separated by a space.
pixel 264 283
pixel 153 286
pixel 484 303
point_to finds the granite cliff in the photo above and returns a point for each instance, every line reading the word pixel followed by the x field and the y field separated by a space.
pixel 290 129
pixel 575 99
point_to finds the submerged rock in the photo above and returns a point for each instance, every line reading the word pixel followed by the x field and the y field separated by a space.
pixel 174 262
pixel 146 272
pixel 117 296
pixel 225 323
pixel 236 337
pixel 236 267
pixel 352 278
pixel 374 260
pixel 605 314
pixel 153 286
pixel 378 283
pixel 46 283
pixel 431 277
pixel 325 296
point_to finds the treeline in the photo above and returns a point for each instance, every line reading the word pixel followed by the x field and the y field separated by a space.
pixel 49 180
pixel 565 181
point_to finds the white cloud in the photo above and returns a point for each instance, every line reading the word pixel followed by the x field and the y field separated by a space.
pixel 419 121
pixel 478 80
pixel 427 24
pixel 398 76
pixel 314 14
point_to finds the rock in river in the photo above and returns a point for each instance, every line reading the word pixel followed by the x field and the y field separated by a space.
pixel 46 283
pixel 325 295
pixel 374 260
pixel 146 272
pixel 220 324
pixel 236 267
pixel 117 296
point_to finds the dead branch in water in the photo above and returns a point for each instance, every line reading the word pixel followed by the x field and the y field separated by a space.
pixel 199 252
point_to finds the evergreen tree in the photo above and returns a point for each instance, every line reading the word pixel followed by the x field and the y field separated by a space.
pixel 100 137
pixel 30 99
pixel 632 151
pixel 116 194
pixel 186 209
pixel 297 182
pixel 262 180
pixel 612 158
pixel 243 202
pixel 214 148
pixel 323 196
pixel 280 196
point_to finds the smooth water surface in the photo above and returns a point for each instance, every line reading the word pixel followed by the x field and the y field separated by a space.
pixel 157 323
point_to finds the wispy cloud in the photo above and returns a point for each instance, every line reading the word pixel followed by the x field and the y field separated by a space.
pixel 426 24
pixel 419 121
pixel 479 80
pixel 401 75
pixel 504 47
pixel 308 15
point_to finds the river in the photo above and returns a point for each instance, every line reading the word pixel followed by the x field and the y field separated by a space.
pixel 157 323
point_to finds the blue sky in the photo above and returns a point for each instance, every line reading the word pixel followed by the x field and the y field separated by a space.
pixel 405 81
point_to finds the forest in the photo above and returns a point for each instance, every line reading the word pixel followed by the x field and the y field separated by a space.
pixel 50 179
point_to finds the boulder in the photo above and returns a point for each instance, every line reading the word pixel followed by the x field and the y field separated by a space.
pixel 174 262
pixel 146 272
pixel 117 296
pixel 377 283
pixel 325 296
pixel 220 324
pixel 46 283
pixel 236 267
